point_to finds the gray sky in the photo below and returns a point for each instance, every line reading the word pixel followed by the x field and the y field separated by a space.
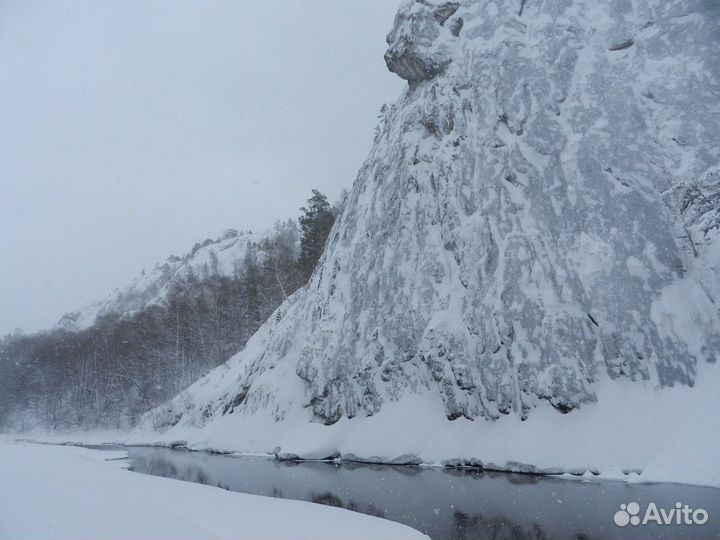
pixel 129 130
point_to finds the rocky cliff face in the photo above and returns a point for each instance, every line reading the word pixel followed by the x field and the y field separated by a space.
pixel 539 212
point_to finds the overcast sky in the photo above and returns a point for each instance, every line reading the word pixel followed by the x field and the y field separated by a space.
pixel 130 130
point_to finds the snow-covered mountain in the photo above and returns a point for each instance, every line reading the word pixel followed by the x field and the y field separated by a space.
pixel 527 268
pixel 222 255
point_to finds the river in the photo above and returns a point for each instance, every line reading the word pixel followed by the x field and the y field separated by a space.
pixel 446 504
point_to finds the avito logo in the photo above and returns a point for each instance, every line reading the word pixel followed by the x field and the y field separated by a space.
pixel 681 514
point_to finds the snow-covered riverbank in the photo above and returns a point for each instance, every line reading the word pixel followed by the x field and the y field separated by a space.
pixel 634 432
pixel 67 492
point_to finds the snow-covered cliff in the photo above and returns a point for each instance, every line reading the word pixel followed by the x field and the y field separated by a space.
pixel 222 255
pixel 535 231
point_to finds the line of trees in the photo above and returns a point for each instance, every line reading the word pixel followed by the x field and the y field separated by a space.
pixel 110 373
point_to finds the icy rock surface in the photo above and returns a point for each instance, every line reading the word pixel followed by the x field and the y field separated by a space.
pixel 415 51
pixel 539 211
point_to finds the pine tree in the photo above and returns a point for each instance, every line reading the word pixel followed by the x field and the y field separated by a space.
pixel 316 222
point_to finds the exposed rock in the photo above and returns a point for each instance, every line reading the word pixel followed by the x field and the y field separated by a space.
pixel 624 44
pixel 456 26
pixel 416 49
pixel 443 12
pixel 405 459
pixel 463 463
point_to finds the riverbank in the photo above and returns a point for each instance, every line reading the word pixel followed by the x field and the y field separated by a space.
pixel 634 433
pixel 59 492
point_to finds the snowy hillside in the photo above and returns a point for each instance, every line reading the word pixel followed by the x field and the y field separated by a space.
pixel 530 249
pixel 224 254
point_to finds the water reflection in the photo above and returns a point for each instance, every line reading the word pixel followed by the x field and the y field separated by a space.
pixel 445 503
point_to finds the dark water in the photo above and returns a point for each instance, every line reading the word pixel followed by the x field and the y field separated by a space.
pixel 446 504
